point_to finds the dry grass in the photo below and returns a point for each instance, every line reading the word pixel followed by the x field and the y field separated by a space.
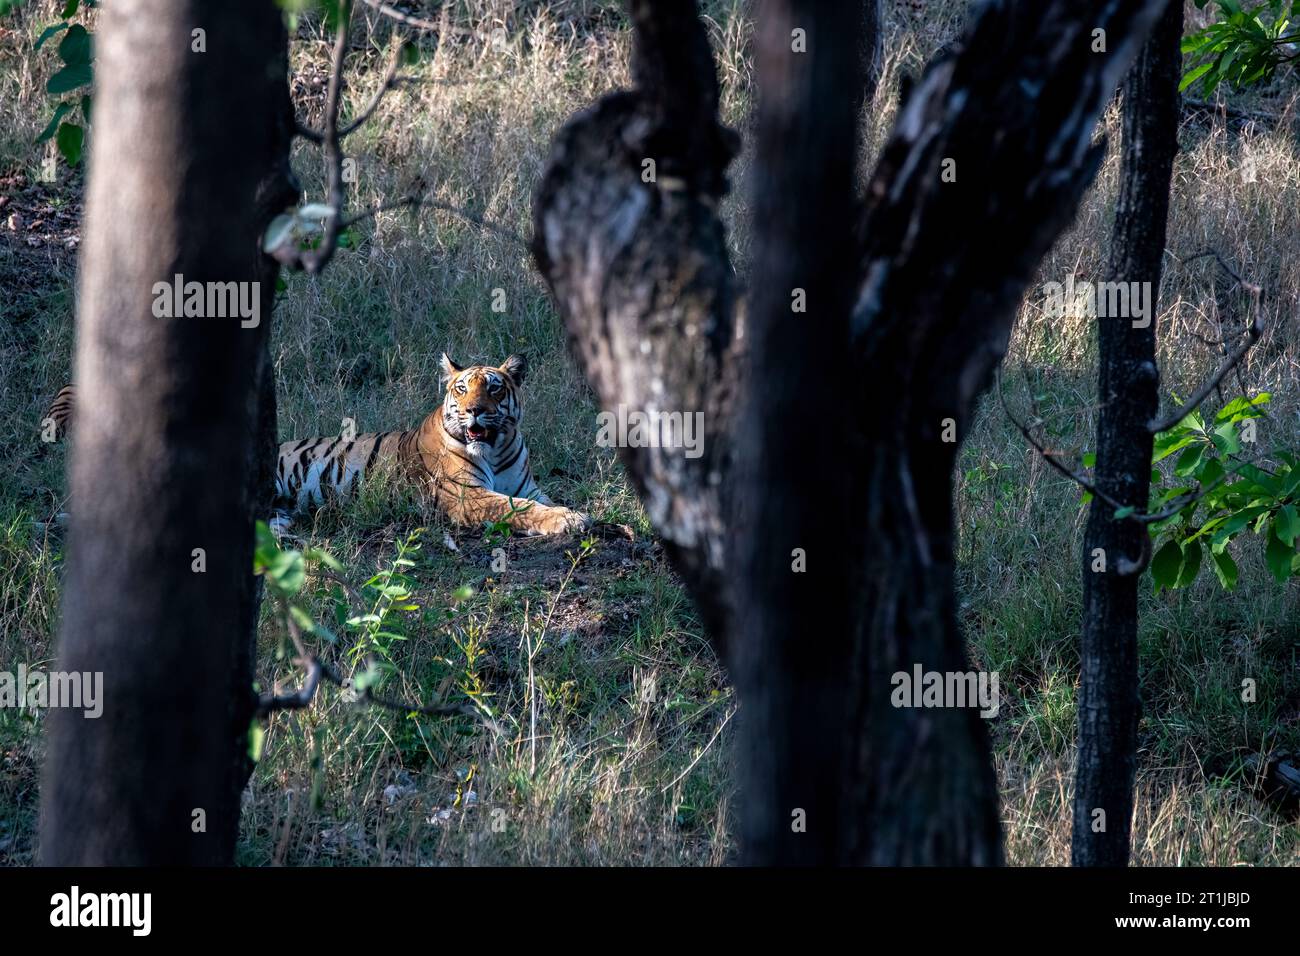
pixel 615 717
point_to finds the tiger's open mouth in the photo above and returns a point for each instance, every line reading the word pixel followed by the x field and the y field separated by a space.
pixel 478 433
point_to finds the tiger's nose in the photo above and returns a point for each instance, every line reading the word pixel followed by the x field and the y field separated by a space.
pixel 476 410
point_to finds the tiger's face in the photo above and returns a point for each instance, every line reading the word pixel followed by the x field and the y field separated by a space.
pixel 482 407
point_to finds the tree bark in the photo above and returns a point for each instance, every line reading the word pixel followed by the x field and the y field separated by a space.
pixel 175 429
pixel 853 412
pixel 627 235
pixel 795 613
pixel 1116 552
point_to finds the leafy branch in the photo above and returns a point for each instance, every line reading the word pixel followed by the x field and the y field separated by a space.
pixel 76 51
pixel 1244 46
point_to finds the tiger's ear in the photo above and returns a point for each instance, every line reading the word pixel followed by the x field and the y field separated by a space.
pixel 516 367
pixel 449 368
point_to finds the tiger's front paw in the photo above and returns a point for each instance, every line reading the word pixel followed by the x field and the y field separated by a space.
pixel 560 520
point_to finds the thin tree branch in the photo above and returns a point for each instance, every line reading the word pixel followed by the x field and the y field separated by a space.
pixel 298 700
pixel 419 200
pixel 416 22
pixel 1236 112
pixel 1140 517
pixel 316 260
pixel 331 137
pixel 390 80
pixel 1253 332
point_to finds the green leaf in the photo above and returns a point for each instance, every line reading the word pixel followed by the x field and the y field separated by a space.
pixel 1167 443
pixel 70 8
pixel 325 558
pixel 1189 459
pixel 1243 407
pixel 1226 440
pixel 85 108
pixel 1286 525
pixel 1192 555
pixel 1260 479
pixel 1169 494
pixel 264 543
pixel 1194 75
pixel 1235 524
pixel 1211 471
pixel 76 49
pixel 69 78
pixel 47 33
pixel 1165 565
pixel 287 572
pixel 69 139
pixel 369 679
pixel 256 740
pixel 1089 459
pixel 302 619
pixel 1208 527
pixel 1225 569
pixel 59 112
pixel 1126 512
pixel 1278 555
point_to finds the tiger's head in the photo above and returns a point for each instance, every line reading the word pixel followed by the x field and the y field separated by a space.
pixel 482 407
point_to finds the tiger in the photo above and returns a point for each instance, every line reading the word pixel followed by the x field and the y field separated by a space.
pixel 468 457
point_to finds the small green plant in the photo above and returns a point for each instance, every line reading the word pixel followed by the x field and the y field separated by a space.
pixel 496 533
pixel 1243 46
pixel 383 626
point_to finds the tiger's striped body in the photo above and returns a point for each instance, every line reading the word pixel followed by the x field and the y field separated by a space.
pixel 54 426
pixel 468 457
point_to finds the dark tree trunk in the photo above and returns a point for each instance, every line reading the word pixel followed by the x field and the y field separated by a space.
pixel 856 407
pixel 1115 552
pixel 175 422
pixel 798 622
pixel 932 319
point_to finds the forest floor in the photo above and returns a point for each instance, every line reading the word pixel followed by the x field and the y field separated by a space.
pixel 613 721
